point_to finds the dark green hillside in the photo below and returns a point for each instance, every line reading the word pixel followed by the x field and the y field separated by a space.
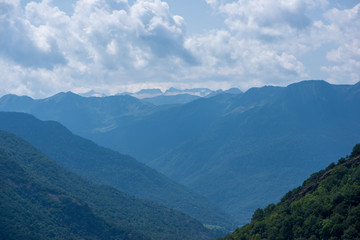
pixel 104 166
pixel 28 210
pixel 326 206
pixel 41 199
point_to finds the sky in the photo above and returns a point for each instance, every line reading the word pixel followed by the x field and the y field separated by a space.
pixel 113 46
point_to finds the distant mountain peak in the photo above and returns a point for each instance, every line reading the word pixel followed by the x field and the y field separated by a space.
pixel 172 89
pixel 147 93
pixel 92 93
pixel 63 95
pixel 150 91
pixel 356 86
pixel 312 83
pixel 201 92
pixel 233 91
pixel 185 95
pixel 14 96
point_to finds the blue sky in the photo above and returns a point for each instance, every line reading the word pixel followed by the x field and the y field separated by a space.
pixel 113 46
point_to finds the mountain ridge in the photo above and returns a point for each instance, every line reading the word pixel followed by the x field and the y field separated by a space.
pixel 213 145
pixel 104 166
pixel 58 192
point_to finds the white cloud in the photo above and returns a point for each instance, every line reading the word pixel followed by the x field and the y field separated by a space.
pixel 227 56
pixel 107 45
pixel 102 41
pixel 10 2
pixel 268 15
pixel 344 60
pixel 266 39
pixel 22 42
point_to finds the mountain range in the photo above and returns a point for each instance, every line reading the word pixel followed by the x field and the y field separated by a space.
pixel 104 166
pixel 41 200
pixel 239 150
pixel 174 95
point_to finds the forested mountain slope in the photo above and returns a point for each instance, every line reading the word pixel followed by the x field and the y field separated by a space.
pixel 239 151
pixel 326 206
pixel 105 166
pixel 30 210
pixel 41 200
pixel 265 142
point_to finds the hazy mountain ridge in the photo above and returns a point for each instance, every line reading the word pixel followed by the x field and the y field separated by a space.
pixel 326 206
pixel 177 96
pixel 254 135
pixel 234 148
pixel 74 206
pixel 105 166
pixel 83 115
pixel 171 99
pixel 254 147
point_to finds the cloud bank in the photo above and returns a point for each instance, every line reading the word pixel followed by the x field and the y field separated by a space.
pixel 116 45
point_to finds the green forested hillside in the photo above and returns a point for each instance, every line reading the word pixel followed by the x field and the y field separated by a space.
pixel 41 200
pixel 28 210
pixel 102 165
pixel 326 206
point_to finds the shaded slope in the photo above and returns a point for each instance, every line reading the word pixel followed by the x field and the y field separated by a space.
pixel 104 166
pixel 82 115
pixel 265 144
pixel 326 206
pixel 242 151
pixel 74 194
pixel 29 210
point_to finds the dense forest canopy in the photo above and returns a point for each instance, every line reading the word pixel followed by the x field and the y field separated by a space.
pixel 326 206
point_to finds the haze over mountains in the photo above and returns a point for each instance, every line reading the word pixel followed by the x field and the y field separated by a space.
pixel 241 151
pixel 41 200
pixel 104 166
pixel 149 93
pixel 170 96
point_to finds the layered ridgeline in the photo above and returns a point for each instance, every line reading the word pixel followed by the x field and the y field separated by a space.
pixel 326 206
pixel 41 200
pixel 175 96
pixel 239 150
pixel 105 166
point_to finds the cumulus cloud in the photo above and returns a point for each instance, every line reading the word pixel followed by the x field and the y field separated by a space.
pixel 266 39
pixel 345 58
pixel 100 42
pixel 226 56
pixel 263 40
pixel 341 29
pixel 267 16
pixel 22 42
pixel 107 45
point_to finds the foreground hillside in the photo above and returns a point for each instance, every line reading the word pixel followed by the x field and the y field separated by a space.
pixel 108 167
pixel 326 206
pixel 29 210
pixel 41 200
